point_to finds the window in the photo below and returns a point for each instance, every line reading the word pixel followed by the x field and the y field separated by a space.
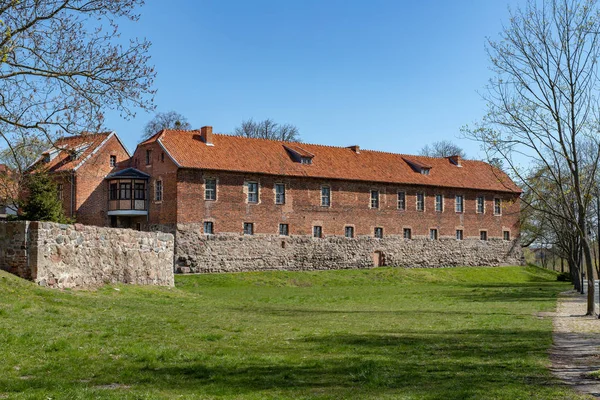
pixel 59 192
pixel 208 228
pixel 379 233
pixel 459 234
pixel 252 192
pixel 425 171
pixel 420 202
pixel 279 193
pixel 139 191
pixel 284 229
pixel 148 157
pixel 210 189
pixel 158 191
pixel 113 161
pixel 483 235
pixel 439 203
pixel 459 203
pixel 162 157
pixel 480 204
pixel 497 206
pixel 349 232
pixel 407 233
pixel 506 235
pixel 305 160
pixel 374 199
pixel 248 228
pixel 125 191
pixel 325 196
pixel 114 191
pixel 433 234
pixel 317 231
pixel 401 201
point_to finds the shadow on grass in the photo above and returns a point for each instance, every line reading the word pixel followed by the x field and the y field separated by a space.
pixel 476 363
pixel 511 292
pixel 425 364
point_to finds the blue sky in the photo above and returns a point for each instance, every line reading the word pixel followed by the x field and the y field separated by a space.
pixel 386 75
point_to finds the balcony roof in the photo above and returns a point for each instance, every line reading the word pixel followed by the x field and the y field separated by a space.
pixel 128 173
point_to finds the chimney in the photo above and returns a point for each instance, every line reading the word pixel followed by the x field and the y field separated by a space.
pixel 355 148
pixel 206 135
pixel 455 160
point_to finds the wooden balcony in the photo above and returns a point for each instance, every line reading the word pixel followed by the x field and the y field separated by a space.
pixel 128 193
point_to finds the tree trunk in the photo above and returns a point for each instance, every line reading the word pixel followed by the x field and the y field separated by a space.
pixel 589 268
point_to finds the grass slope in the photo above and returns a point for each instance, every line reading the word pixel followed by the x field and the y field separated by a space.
pixel 455 333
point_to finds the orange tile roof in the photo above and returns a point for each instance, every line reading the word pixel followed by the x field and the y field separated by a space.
pixel 241 154
pixel 88 142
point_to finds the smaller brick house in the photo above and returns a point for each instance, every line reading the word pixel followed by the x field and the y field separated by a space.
pixel 80 165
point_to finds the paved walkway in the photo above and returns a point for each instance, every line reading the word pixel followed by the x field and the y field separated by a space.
pixel 576 349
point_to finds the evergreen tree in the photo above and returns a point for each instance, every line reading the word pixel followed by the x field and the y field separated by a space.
pixel 42 202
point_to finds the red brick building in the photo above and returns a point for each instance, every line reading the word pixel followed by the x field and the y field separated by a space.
pixel 80 165
pixel 273 195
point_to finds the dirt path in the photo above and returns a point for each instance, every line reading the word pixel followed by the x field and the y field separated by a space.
pixel 576 349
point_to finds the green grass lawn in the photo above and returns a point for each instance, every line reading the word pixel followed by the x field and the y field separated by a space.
pixel 459 333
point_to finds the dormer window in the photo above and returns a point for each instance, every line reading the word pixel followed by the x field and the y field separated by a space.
pixel 418 166
pixel 299 155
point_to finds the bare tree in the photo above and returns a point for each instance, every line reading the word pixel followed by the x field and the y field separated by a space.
pixel 268 129
pixel 542 105
pixel 62 64
pixel 166 120
pixel 442 148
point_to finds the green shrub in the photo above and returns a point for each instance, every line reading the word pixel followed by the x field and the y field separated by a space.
pixel 563 277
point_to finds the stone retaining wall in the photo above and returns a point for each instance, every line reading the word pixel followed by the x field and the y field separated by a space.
pixel 196 252
pixel 69 256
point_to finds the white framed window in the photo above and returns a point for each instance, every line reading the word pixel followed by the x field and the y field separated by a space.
pixel 349 232
pixel 284 229
pixel 279 193
pixel 113 161
pixel 252 192
pixel 378 233
pixel 480 205
pixel 497 206
pixel 248 228
pixel 433 234
pixel 59 192
pixel 374 198
pixel 506 235
pixel 325 196
pixel 210 189
pixel 439 203
pixel 317 231
pixel 158 191
pixel 208 228
pixel 420 201
pixel 401 201
pixel 459 203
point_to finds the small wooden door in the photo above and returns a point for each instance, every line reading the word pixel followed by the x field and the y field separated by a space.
pixel 378 259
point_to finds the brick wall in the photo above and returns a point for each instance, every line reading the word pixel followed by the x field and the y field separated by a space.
pixel 161 168
pixel 68 256
pixel 350 205
pixel 91 198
